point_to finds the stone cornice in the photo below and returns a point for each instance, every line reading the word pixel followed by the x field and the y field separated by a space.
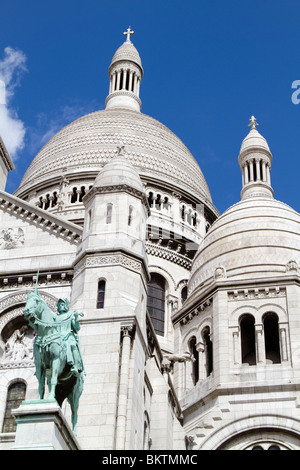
pixel 166 253
pixel 236 289
pixel 33 214
pixel 111 258
pixel 118 188
pixel 123 93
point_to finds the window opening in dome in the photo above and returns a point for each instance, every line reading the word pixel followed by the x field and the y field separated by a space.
pixel 165 203
pixel 130 215
pixel 248 340
pixel 261 170
pixel 150 200
pixel 109 213
pixel 271 332
pixel 82 193
pixel 195 363
pixel 132 84
pixel 183 213
pixel 127 80
pixel 195 220
pixel 54 200
pixel 74 196
pixel 208 351
pixel 183 295
pixel 47 203
pixel 255 176
pixel 248 171
pixel 158 202
pixel 101 294
pixel 156 302
pixel 121 80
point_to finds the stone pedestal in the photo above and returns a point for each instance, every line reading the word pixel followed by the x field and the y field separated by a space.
pixel 41 425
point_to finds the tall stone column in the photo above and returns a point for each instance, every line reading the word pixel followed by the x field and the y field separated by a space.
pixel 126 333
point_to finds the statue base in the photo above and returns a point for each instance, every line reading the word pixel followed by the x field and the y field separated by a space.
pixel 41 425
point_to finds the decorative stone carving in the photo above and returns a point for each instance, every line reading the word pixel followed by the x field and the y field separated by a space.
pixel 19 347
pixel 11 238
pixel 292 266
pixel 220 273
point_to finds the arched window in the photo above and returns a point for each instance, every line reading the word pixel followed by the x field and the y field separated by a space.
pixel 195 363
pixel 108 213
pixel 158 202
pixel 248 340
pixel 182 213
pixel 15 395
pixel 130 212
pixel 150 199
pixel 271 332
pixel 74 196
pixel 82 193
pixel 101 294
pixel 156 302
pixel 183 295
pixel 208 351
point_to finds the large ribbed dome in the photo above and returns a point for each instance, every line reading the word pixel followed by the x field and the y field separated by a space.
pixel 83 147
pixel 255 238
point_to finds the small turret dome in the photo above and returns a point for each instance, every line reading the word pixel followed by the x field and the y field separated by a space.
pixel 119 172
pixel 127 52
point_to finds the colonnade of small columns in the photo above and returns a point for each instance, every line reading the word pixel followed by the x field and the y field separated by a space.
pixel 256 169
pixel 125 79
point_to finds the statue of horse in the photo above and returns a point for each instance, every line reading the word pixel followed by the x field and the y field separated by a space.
pixel 56 352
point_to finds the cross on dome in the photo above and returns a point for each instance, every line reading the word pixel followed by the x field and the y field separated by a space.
pixel 253 123
pixel 128 33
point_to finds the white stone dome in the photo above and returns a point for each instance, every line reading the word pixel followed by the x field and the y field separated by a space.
pixel 127 52
pixel 83 147
pixel 255 238
pixel 119 172
pixel 254 140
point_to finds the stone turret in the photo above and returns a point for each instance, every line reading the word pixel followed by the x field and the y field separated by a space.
pixel 125 75
pixel 255 161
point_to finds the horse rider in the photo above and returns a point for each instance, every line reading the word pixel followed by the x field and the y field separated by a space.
pixel 69 327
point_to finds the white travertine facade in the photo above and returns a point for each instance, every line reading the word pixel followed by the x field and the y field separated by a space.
pixel 191 331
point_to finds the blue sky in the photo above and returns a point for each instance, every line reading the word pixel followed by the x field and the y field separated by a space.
pixel 208 66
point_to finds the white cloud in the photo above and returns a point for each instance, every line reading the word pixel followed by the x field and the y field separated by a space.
pixel 12 129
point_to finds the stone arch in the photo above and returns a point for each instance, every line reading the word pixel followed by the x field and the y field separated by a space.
pixel 12 319
pixel 230 432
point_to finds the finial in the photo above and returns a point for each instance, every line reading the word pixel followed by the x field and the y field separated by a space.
pixel 253 123
pixel 128 33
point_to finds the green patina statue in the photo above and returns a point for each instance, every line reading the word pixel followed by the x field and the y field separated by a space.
pixel 56 351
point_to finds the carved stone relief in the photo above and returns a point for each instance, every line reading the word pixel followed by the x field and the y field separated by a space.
pixel 18 348
pixel 11 238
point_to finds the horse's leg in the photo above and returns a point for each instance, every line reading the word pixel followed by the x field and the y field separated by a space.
pixel 40 373
pixel 73 399
pixel 54 358
pixel 42 383
pixel 54 375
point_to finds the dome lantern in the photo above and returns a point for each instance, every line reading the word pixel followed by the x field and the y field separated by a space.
pixel 125 75
pixel 255 161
